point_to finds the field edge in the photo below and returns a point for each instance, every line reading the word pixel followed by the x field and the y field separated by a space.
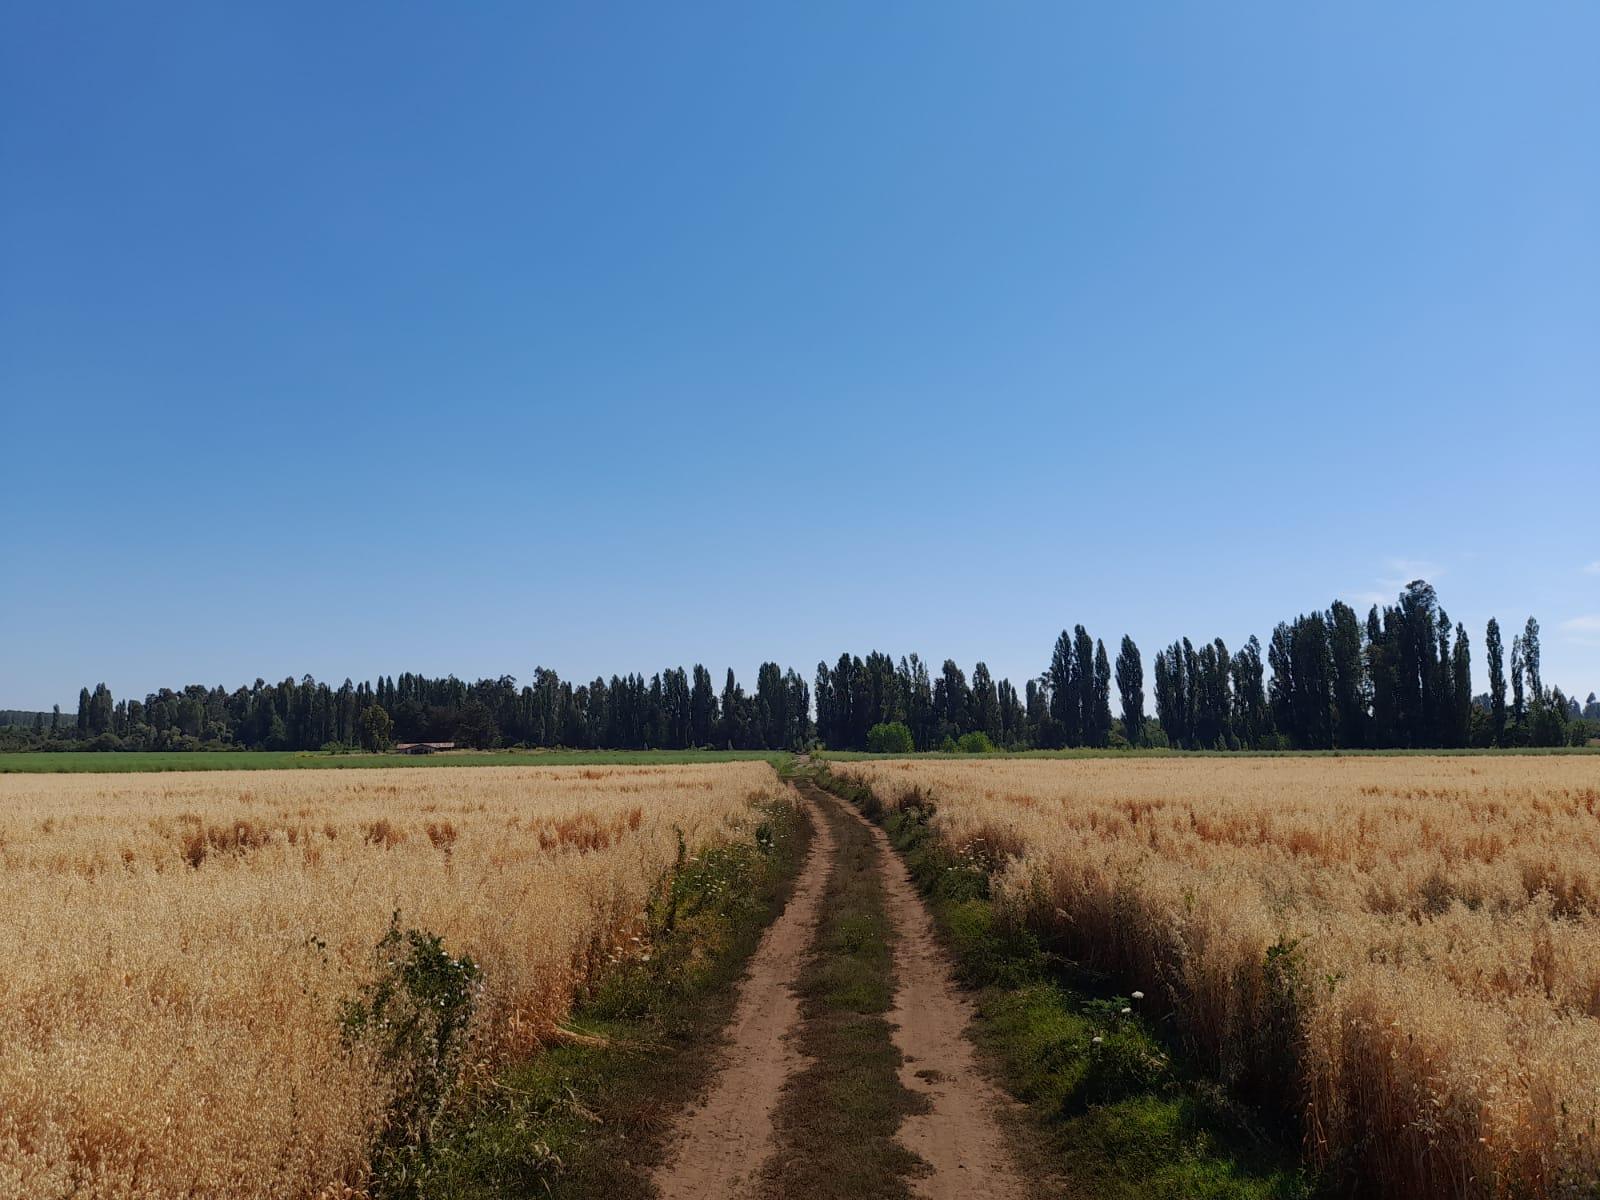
pixel 1113 1111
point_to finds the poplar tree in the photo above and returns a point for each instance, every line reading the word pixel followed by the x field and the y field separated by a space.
pixel 1519 709
pixel 1063 693
pixel 1083 662
pixel 1130 686
pixel 1461 667
pixel 702 708
pixel 1102 695
pixel 1349 676
pixel 1497 682
pixel 1530 662
pixel 985 714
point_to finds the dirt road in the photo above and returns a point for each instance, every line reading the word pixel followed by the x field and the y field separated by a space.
pixel 721 1146
pixel 959 1135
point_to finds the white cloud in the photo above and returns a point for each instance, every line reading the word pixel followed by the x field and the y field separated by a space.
pixel 1583 630
pixel 1368 599
pixel 1593 568
pixel 1405 570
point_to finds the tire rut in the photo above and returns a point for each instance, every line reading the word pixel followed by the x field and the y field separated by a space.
pixel 960 1135
pixel 722 1143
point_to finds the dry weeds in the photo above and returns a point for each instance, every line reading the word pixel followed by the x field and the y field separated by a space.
pixel 1406 950
pixel 177 948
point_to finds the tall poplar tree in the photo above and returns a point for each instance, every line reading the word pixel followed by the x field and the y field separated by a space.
pixel 1530 662
pixel 1519 707
pixel 1461 668
pixel 1063 692
pixel 1102 695
pixel 1130 686
pixel 1497 682
pixel 1083 660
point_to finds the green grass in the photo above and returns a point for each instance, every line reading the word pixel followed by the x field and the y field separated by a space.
pixel 1095 752
pixel 1124 1118
pixel 586 1119
pixel 73 762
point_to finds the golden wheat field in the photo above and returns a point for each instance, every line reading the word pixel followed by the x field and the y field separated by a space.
pixel 177 948
pixel 1405 949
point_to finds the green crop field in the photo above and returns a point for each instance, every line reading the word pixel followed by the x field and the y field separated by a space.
pixel 30 762
pixel 1144 752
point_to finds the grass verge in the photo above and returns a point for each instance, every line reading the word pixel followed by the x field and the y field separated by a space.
pixel 585 1119
pixel 1163 752
pixel 1117 1112
pixel 837 1120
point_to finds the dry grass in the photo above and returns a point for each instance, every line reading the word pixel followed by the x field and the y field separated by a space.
pixel 1405 950
pixel 177 948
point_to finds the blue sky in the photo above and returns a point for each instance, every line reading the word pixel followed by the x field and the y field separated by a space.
pixel 371 337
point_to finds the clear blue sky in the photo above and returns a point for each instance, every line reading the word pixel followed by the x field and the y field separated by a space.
pixel 348 338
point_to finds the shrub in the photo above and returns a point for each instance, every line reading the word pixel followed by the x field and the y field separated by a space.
pixel 414 1016
pixel 975 743
pixel 889 738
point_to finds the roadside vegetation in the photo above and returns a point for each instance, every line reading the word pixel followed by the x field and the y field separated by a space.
pixel 837 1121
pixel 1116 1111
pixel 309 969
pixel 1398 957
pixel 585 1117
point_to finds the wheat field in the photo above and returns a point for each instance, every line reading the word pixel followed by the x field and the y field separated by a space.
pixel 177 948
pixel 1404 950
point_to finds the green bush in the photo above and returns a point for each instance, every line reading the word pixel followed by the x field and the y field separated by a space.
pixel 975 743
pixel 889 738
pixel 414 1015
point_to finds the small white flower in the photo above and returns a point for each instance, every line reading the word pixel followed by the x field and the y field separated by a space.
pixel 1126 1011
pixel 1096 1041
pixel 1138 995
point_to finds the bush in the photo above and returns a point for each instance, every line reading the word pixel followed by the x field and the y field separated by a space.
pixel 889 738
pixel 975 743
pixel 414 1015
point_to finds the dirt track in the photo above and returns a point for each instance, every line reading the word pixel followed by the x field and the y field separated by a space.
pixel 959 1136
pixel 720 1146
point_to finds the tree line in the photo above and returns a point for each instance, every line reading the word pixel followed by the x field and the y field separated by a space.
pixel 674 709
pixel 1400 678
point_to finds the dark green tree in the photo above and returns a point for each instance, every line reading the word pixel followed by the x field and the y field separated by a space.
pixel 1497 682
pixel 1519 708
pixel 1083 661
pixel 1461 669
pixel 1062 686
pixel 1350 690
pixel 1130 686
pixel 985 715
pixel 377 730
pixel 1101 723
pixel 1530 662
pixel 702 708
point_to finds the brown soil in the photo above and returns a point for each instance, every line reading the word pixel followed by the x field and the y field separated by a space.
pixel 721 1145
pixel 959 1135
